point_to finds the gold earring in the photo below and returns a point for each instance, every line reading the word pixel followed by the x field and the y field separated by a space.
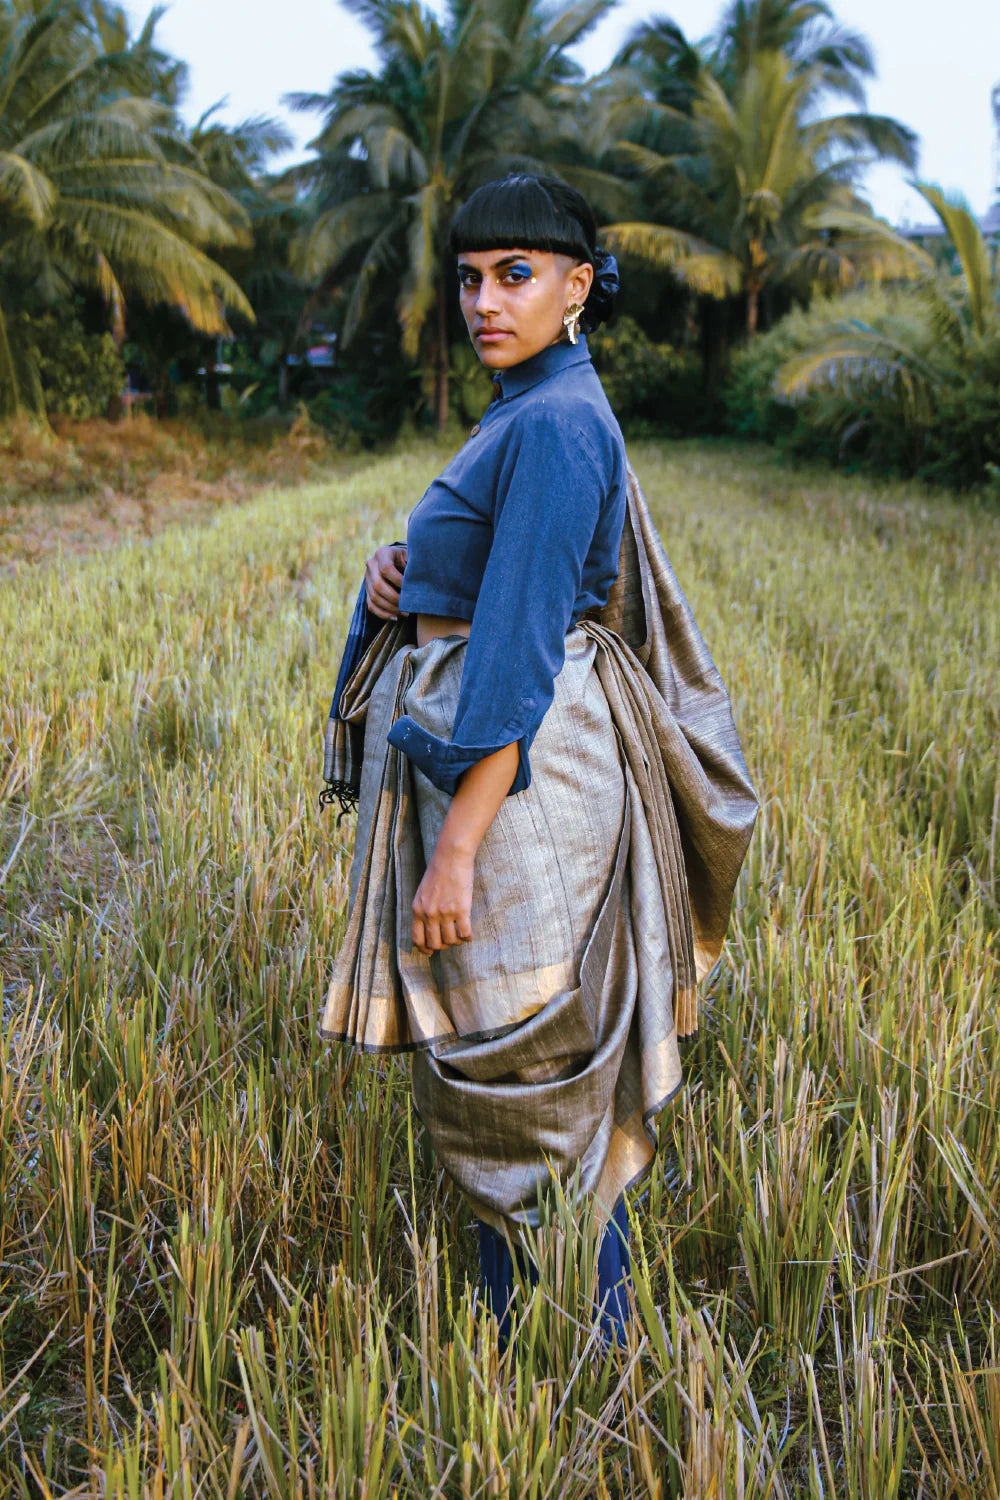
pixel 571 320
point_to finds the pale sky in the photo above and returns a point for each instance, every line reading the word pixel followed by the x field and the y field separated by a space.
pixel 936 66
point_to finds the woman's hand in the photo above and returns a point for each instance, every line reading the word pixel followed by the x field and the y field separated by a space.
pixel 383 579
pixel 442 907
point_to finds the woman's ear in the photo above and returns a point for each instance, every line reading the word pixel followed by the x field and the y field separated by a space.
pixel 579 282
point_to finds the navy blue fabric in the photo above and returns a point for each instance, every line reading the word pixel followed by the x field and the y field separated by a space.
pixel 363 629
pixel 520 534
pixel 614 1274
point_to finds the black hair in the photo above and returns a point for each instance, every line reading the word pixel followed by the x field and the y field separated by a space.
pixel 531 212
pixel 527 211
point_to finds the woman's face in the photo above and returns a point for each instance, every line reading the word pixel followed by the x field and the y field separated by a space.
pixel 513 300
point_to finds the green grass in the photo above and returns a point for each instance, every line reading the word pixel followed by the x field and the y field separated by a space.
pixel 229 1264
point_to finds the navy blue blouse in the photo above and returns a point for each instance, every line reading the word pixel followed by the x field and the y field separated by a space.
pixel 520 534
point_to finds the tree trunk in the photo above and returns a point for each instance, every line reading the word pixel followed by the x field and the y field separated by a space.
pixel 441 364
pixel 715 320
pixel 753 307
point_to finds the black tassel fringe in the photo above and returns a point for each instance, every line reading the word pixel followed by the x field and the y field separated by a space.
pixel 342 792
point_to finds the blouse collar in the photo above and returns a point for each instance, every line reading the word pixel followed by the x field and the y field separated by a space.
pixel 549 361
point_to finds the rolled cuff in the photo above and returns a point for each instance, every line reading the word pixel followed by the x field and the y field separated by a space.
pixel 444 763
pixel 424 599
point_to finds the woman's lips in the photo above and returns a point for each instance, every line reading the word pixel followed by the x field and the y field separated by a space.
pixel 492 335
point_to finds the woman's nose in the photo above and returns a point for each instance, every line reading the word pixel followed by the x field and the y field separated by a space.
pixel 487 301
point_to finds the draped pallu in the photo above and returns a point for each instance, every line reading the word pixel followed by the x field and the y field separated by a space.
pixel 601 899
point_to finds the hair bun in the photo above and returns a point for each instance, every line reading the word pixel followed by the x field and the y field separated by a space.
pixel 600 304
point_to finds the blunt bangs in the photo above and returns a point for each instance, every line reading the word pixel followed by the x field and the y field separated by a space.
pixel 528 213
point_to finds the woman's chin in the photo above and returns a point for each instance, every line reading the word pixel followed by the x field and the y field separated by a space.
pixel 497 354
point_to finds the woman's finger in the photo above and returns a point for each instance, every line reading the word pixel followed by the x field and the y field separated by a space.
pixel 380 585
pixel 387 597
pixel 376 569
pixel 419 937
pixel 463 926
pixel 449 937
pixel 432 933
pixel 377 609
pixel 383 585
pixel 381 600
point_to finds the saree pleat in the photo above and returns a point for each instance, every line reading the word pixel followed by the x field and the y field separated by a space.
pixel 549 1042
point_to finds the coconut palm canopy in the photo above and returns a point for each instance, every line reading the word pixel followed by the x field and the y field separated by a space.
pixel 457 100
pixel 733 155
pixel 719 162
pixel 99 189
pixel 710 159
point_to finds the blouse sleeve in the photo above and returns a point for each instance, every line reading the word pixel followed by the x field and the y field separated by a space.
pixel 551 490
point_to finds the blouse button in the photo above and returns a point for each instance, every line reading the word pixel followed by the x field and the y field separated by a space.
pixel 474 430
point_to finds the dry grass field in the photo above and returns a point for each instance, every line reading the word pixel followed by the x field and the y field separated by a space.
pixel 229 1263
pixel 75 486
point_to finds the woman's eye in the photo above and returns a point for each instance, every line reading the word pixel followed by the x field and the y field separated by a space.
pixel 468 278
pixel 517 274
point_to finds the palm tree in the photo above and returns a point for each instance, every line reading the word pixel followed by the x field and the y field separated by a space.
pixel 958 318
pixel 455 102
pixel 236 158
pixel 806 31
pixel 147 72
pixel 98 188
pixel 733 181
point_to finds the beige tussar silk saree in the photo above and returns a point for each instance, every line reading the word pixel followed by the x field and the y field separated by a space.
pixel 602 895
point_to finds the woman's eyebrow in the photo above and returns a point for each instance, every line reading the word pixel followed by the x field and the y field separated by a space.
pixel 505 260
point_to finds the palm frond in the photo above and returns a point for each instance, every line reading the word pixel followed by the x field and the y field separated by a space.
pixel 83 135
pixel 575 22
pixel 421 288
pixel 607 194
pixel 190 201
pixel 876 248
pixel 306 103
pixel 856 359
pixel 325 244
pixel 158 264
pixel 973 254
pixel 703 267
pixel 394 157
pixel 25 192
pixel 882 136
pixel 382 255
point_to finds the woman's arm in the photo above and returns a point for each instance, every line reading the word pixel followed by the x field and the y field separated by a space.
pixel 442 907
pixel 549 501
pixel 546 511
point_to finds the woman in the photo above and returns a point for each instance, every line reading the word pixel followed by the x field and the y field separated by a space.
pixel 553 803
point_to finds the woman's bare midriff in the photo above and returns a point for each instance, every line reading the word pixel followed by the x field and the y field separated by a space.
pixel 431 626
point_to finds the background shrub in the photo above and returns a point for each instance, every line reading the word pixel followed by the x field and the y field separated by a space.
pixel 873 422
pixel 81 373
pixel 651 387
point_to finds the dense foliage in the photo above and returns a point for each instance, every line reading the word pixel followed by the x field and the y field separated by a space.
pixel 715 167
pixel 725 172
pixel 651 386
pixel 905 381
pixel 734 177
pixel 457 101
pixel 99 189
pixel 81 374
